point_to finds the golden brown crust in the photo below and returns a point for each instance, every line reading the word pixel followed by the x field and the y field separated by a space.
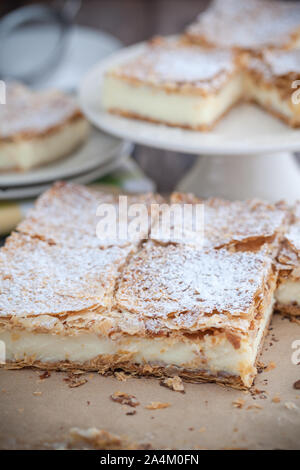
pixel 106 364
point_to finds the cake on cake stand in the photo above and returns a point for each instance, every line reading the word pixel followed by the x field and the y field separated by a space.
pixel 248 154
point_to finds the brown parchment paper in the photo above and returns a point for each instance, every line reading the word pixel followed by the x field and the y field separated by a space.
pixel 202 418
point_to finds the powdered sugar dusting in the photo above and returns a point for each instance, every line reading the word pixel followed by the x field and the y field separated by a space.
pixel 192 284
pixel 37 278
pixel 33 112
pixel 67 214
pixel 228 222
pixel 247 24
pixel 170 62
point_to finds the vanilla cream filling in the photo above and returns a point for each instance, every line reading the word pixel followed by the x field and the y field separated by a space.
pixel 171 107
pixel 288 292
pixel 26 153
pixel 211 354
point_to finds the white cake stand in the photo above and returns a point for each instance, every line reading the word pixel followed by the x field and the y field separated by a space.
pixel 248 154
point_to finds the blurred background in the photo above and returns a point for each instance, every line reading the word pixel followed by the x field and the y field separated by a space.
pixel 132 21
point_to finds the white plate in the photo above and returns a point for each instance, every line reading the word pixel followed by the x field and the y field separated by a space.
pixel 36 190
pixel 246 129
pixel 99 149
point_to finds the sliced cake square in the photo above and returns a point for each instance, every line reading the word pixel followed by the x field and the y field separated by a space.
pixel 174 84
pixel 38 127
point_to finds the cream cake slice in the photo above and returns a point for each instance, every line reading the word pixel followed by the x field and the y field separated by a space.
pixel 203 317
pixel 174 84
pixel 38 127
pixel 151 308
pixel 207 311
pixel 288 290
pixel 273 82
pixel 247 25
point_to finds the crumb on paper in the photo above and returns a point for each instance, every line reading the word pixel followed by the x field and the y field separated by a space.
pixel 290 405
pixel 78 372
pixel 254 407
pixel 297 385
pixel 45 375
pixel 131 413
pixel 157 405
pixel 21 410
pixel 93 438
pixel 121 376
pixel 260 367
pixel 74 380
pixel 238 403
pixel 125 399
pixel 270 366
pixel 256 392
pixel 174 383
pixel 203 429
pixel 276 399
pixel 37 393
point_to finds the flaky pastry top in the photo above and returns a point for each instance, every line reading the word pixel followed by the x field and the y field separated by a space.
pixel 174 65
pixel 37 278
pixel 229 223
pixel 69 214
pixel 189 287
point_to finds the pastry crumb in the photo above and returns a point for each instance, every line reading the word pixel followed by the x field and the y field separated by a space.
pixel 290 405
pixel 174 383
pixel 270 366
pixel 37 393
pixel 100 439
pixel 45 375
pixel 276 399
pixel 254 407
pixel 121 376
pixel 157 405
pixel 297 385
pixel 74 380
pixel 239 403
pixel 125 399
